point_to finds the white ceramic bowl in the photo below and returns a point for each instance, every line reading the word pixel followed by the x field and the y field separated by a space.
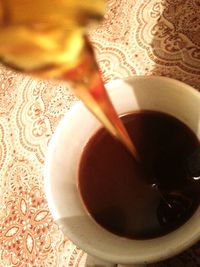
pixel 62 161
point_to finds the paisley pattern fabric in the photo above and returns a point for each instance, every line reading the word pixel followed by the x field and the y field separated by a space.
pixel 152 37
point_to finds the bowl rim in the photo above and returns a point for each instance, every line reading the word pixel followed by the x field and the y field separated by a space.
pixel 53 141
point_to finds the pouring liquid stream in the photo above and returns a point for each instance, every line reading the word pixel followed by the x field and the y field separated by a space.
pixel 88 86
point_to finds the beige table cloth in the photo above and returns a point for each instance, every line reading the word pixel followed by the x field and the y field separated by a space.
pixel 137 37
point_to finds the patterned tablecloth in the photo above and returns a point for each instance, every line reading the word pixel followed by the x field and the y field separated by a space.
pixel 151 37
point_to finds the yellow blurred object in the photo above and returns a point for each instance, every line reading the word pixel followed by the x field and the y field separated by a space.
pixel 45 37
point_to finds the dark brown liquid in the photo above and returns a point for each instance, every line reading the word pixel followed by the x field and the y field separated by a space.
pixel 147 200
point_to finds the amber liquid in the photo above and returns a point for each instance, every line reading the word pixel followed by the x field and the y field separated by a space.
pixel 118 193
pixel 88 86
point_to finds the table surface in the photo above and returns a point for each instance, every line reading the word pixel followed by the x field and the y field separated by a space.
pixel 151 37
